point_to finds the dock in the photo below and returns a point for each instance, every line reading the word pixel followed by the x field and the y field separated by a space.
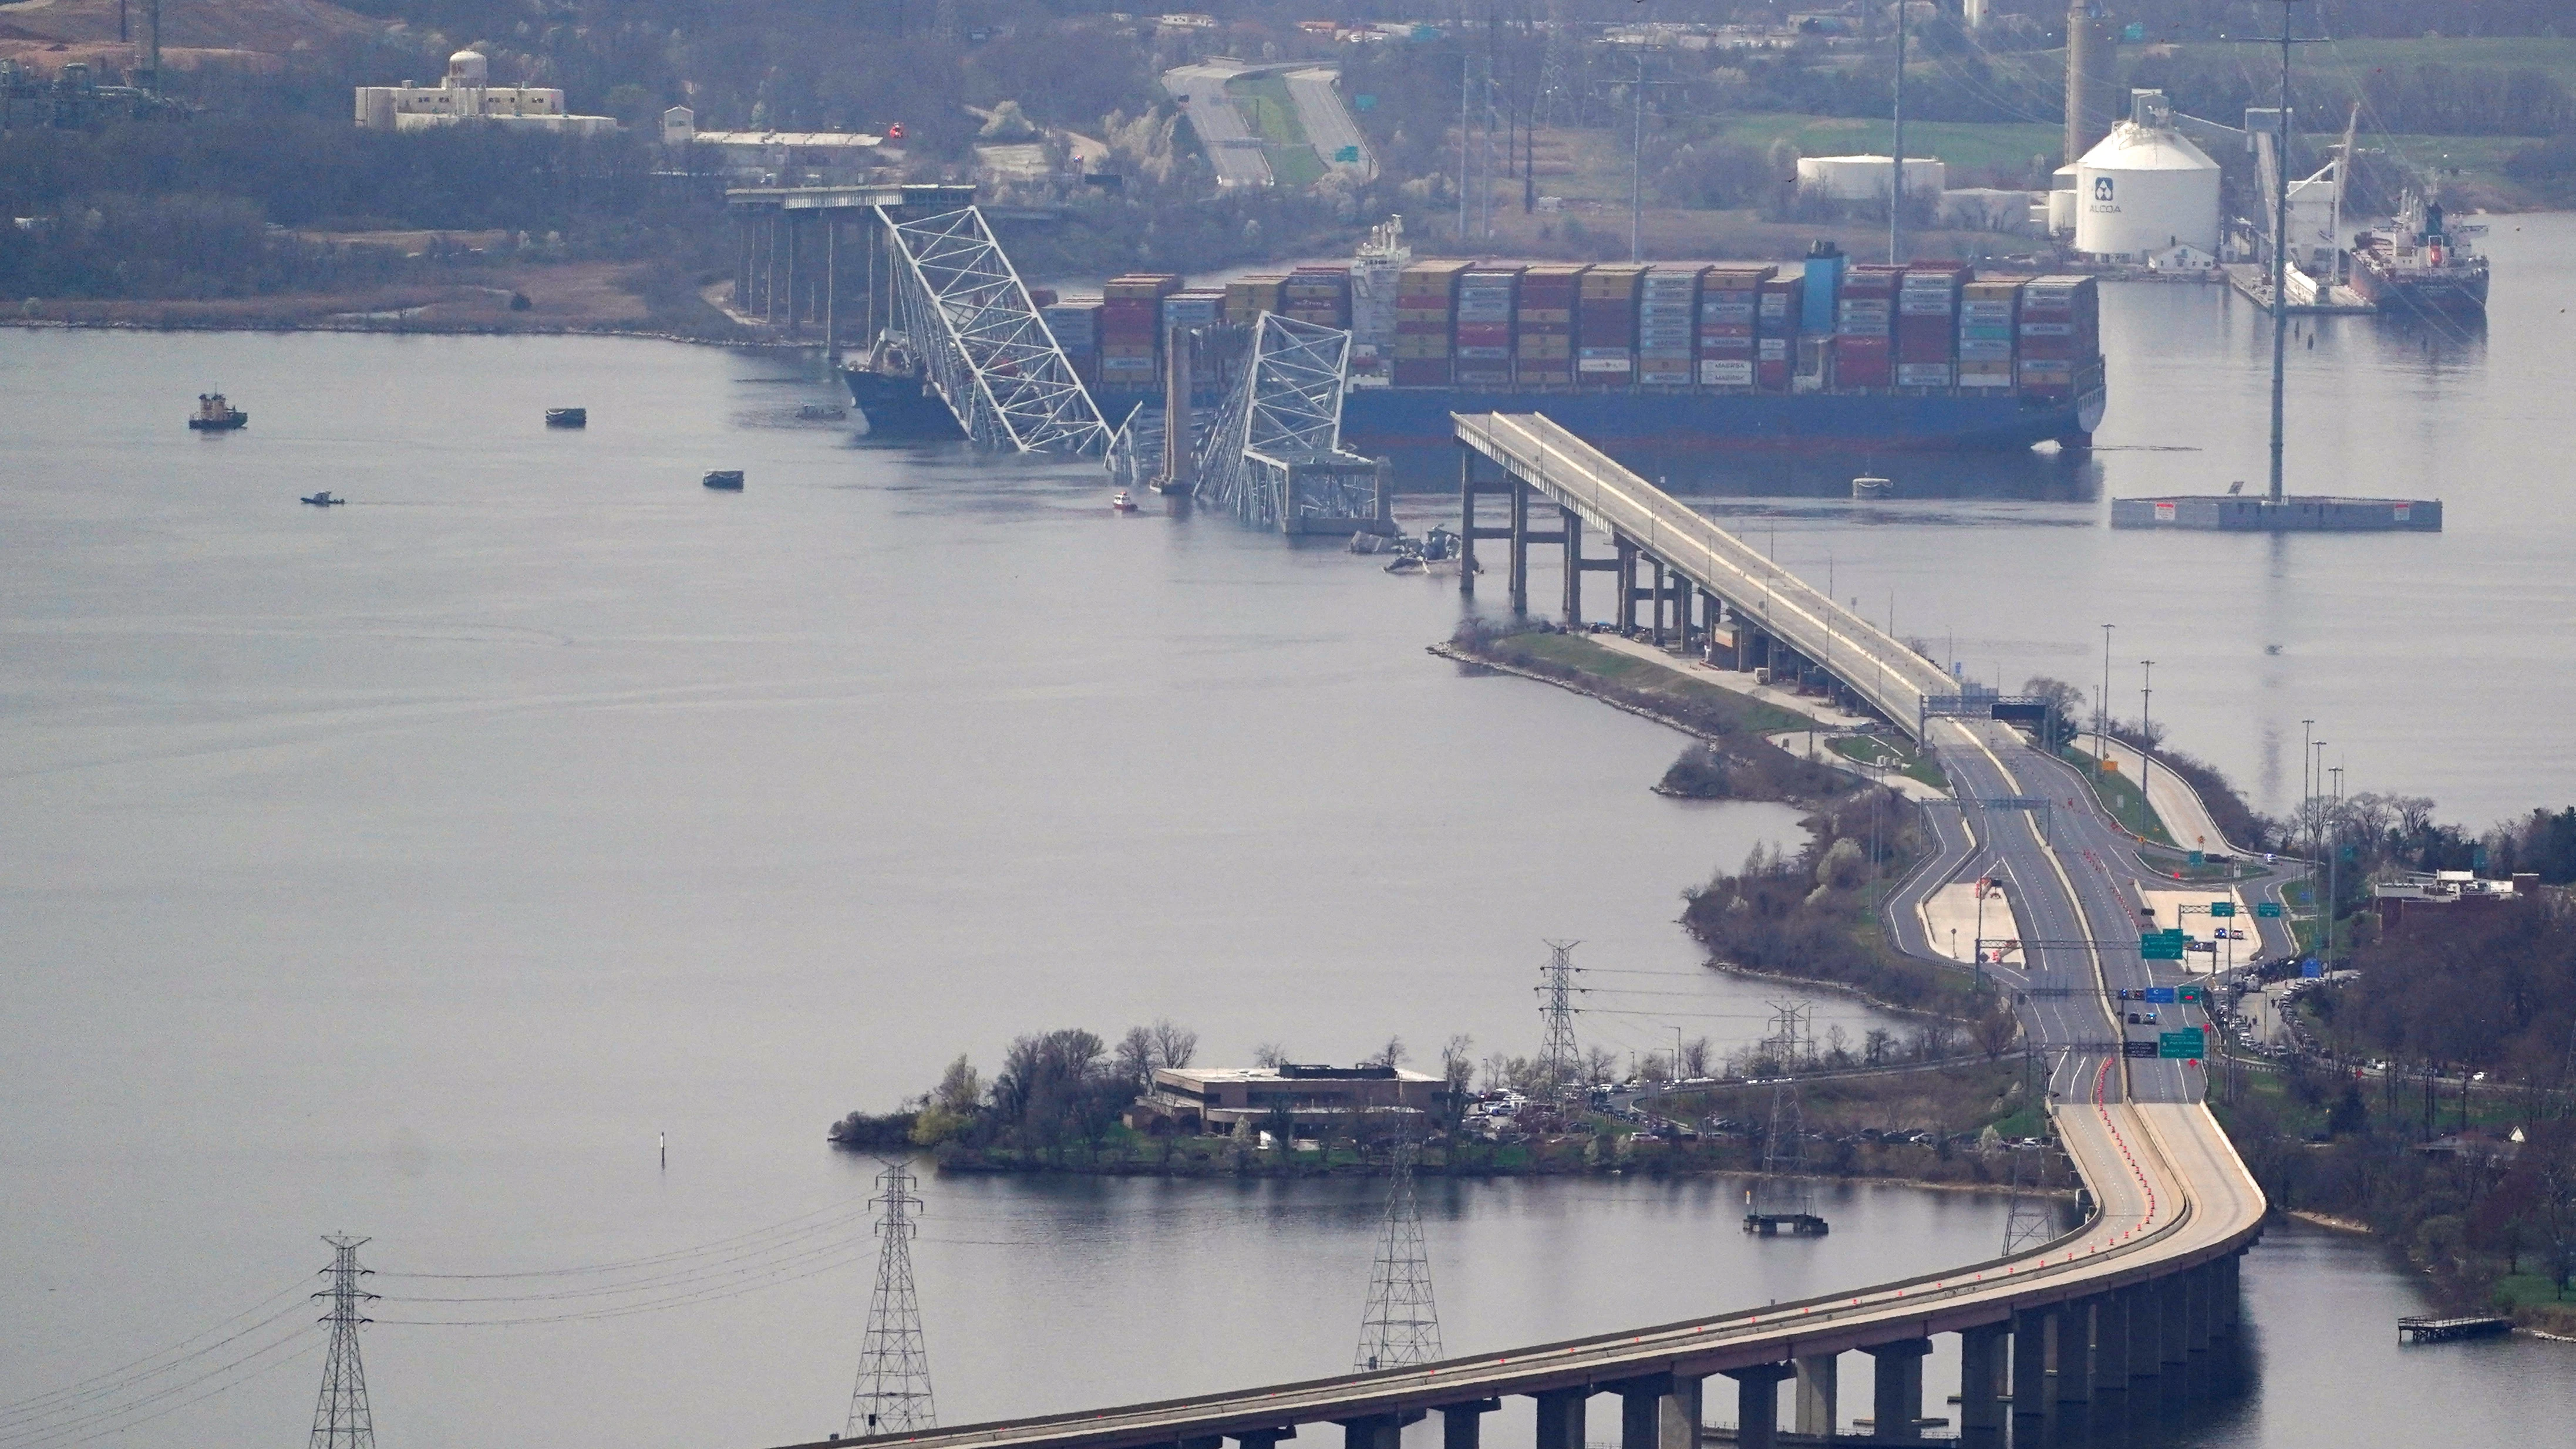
pixel 2425 1329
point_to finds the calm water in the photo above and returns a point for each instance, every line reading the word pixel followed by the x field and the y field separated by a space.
pixel 408 867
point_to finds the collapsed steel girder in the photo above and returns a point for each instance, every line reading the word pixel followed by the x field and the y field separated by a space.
pixel 1273 458
pixel 988 353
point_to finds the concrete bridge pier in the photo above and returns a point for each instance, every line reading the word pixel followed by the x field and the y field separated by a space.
pixel 1262 1438
pixel 1677 1414
pixel 2111 1343
pixel 1469 490
pixel 2030 1362
pixel 1817 1409
pixel 2174 1308
pixel 2145 1316
pixel 1983 1352
pixel 1571 525
pixel 1626 565
pixel 2073 1352
pixel 1463 1425
pixel 1757 1404
pixel 1560 1418
pixel 1376 1431
pixel 1896 1387
pixel 2231 1288
pixel 1683 598
pixel 2199 1292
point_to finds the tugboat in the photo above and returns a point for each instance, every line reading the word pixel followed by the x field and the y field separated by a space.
pixel 567 417
pixel 1119 502
pixel 324 499
pixel 726 480
pixel 214 415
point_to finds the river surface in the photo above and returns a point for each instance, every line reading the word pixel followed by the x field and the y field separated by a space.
pixel 413 868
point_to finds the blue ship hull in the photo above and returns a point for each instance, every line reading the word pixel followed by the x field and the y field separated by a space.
pixel 1381 421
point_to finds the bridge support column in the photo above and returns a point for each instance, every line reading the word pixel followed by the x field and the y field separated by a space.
pixel 1377 1431
pixel 1627 570
pixel 787 223
pixel 1896 1387
pixel 1677 1414
pixel 1757 1404
pixel 2195 1310
pixel 1203 1441
pixel 2074 1346
pixel 743 225
pixel 1682 600
pixel 1819 1377
pixel 1573 568
pixel 1982 1351
pixel 1262 1438
pixel 2231 1288
pixel 1462 1426
pixel 2173 1309
pixel 1641 1410
pixel 2030 1362
pixel 1560 1418
pixel 2110 1342
pixel 831 288
pixel 2146 1351
pixel 1662 593
pixel 1520 498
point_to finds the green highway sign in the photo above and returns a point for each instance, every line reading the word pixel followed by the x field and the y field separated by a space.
pixel 2195 993
pixel 2268 910
pixel 2222 908
pixel 2180 1045
pixel 2152 949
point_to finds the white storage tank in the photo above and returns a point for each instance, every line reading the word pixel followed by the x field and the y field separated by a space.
pixel 2145 190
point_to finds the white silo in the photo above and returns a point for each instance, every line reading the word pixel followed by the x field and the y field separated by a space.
pixel 2145 190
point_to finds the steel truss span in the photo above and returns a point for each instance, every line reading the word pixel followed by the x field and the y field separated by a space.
pixel 1274 456
pixel 989 354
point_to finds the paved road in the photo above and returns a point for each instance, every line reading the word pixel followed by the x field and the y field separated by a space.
pixel 1231 146
pixel 1328 122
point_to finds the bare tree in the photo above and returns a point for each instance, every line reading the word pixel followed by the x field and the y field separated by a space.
pixel 1877 1045
pixel 1174 1044
pixel 1458 1069
pixel 1136 1056
pixel 1695 1057
pixel 1995 1031
pixel 1600 1066
pixel 1838 1046
pixel 1391 1055
pixel 1270 1054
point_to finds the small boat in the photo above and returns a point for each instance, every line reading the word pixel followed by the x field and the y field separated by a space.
pixel 1868 488
pixel 567 417
pixel 1119 502
pixel 214 415
pixel 821 413
pixel 727 479
pixel 324 500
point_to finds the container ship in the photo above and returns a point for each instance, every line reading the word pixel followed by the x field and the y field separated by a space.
pixel 2427 267
pixel 1645 361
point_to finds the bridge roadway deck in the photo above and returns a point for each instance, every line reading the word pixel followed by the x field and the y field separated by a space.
pixel 1580 478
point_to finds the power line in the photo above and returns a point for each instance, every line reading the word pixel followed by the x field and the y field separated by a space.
pixel 1559 1063
pixel 892 1395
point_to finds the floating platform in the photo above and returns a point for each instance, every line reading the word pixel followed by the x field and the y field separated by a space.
pixel 2297 513
pixel 1796 1225
pixel 2332 299
pixel 2422 1329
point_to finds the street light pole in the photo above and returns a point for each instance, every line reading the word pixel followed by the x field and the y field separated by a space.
pixel 2146 761
pixel 2102 716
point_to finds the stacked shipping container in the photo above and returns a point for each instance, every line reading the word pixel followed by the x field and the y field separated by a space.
pixel 1986 318
pixel 1426 301
pixel 1246 298
pixel 1605 326
pixel 1321 295
pixel 1667 325
pixel 1781 309
pixel 1483 339
pixel 1927 323
pixel 1075 325
pixel 1130 330
pixel 2061 333
pixel 1543 344
pixel 1730 316
pixel 1864 327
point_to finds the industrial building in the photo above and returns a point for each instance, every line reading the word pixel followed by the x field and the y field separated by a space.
pixel 1240 1101
pixel 466 93
pixel 1865 178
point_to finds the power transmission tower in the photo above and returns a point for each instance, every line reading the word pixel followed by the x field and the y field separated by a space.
pixel 341 1419
pixel 893 1392
pixel 2026 1226
pixel 1559 1063
pixel 1792 1040
pixel 1782 1201
pixel 1401 1325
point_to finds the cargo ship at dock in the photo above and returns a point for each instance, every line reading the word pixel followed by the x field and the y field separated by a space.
pixel 2429 266
pixel 1645 361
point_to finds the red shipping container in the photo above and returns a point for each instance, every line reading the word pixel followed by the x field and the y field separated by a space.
pixel 1422 372
pixel 1862 362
